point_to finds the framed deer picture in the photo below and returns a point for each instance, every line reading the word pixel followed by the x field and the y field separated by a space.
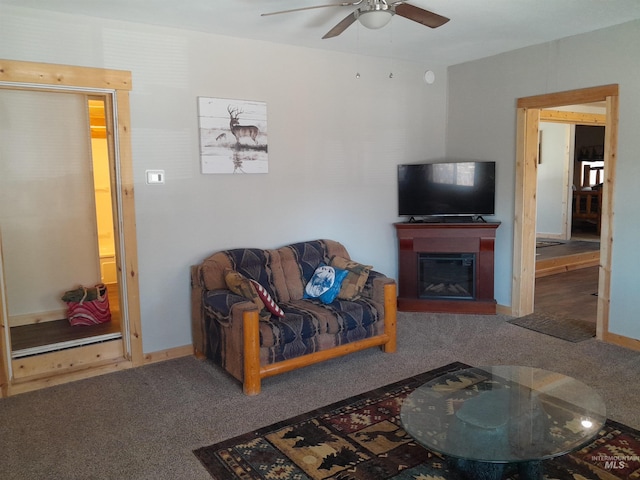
pixel 233 136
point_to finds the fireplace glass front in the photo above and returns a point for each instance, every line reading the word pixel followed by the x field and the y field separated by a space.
pixel 446 275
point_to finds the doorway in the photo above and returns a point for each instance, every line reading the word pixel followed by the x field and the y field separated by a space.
pixel 528 119
pixel 74 242
pixel 588 179
pixel 79 89
pixel 569 192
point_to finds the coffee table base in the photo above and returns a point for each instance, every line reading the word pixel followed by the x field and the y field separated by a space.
pixel 475 470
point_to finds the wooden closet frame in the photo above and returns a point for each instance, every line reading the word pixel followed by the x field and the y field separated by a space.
pixel 38 371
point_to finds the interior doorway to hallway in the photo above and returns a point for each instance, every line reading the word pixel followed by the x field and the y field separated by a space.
pixel 527 155
pixel 568 211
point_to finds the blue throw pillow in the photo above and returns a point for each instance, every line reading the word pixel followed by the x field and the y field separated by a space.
pixel 325 283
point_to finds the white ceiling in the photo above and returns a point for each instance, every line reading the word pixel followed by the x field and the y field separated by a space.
pixel 478 28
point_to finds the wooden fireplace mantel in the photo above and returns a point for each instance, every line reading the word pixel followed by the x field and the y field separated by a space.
pixel 477 238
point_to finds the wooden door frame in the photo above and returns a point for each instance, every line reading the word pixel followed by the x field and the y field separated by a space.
pixel 524 242
pixel 115 85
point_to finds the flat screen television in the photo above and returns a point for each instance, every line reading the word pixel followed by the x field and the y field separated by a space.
pixel 447 189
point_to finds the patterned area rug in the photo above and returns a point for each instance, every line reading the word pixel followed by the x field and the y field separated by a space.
pixel 361 439
pixel 570 329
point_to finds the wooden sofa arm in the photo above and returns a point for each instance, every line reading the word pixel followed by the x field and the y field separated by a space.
pixel 390 317
pixel 251 324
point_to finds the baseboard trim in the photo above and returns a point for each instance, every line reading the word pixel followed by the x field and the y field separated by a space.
pixel 31 384
pixel 169 354
pixel 504 309
pixel 621 341
pixel 40 317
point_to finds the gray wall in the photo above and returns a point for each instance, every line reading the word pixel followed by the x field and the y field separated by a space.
pixel 553 191
pixel 489 88
pixel 334 143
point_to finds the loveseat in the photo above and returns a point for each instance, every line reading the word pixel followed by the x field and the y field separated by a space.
pixel 259 313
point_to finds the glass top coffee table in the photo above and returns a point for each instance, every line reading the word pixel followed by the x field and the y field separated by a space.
pixel 489 420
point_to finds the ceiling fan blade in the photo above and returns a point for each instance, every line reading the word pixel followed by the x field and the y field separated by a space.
pixel 424 17
pixel 342 26
pixel 341 4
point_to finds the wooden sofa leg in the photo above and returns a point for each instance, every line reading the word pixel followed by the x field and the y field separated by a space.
pixel 251 385
pixel 390 314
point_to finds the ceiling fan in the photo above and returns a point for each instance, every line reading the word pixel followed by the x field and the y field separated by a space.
pixel 376 14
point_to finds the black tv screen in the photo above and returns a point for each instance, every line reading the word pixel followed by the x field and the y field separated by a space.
pixel 447 188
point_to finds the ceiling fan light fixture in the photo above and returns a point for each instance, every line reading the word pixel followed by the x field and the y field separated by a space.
pixel 375 19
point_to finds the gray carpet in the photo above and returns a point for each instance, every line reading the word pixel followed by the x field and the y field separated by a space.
pixel 566 328
pixel 144 423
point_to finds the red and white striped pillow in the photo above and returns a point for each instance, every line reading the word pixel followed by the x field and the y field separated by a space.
pixel 271 305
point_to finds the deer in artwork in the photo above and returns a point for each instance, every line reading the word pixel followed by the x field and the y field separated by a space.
pixel 238 130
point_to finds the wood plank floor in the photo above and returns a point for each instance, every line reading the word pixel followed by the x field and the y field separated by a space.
pixel 567 278
pixel 571 294
pixel 58 331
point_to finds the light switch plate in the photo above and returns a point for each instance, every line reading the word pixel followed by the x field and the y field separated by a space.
pixel 155 177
